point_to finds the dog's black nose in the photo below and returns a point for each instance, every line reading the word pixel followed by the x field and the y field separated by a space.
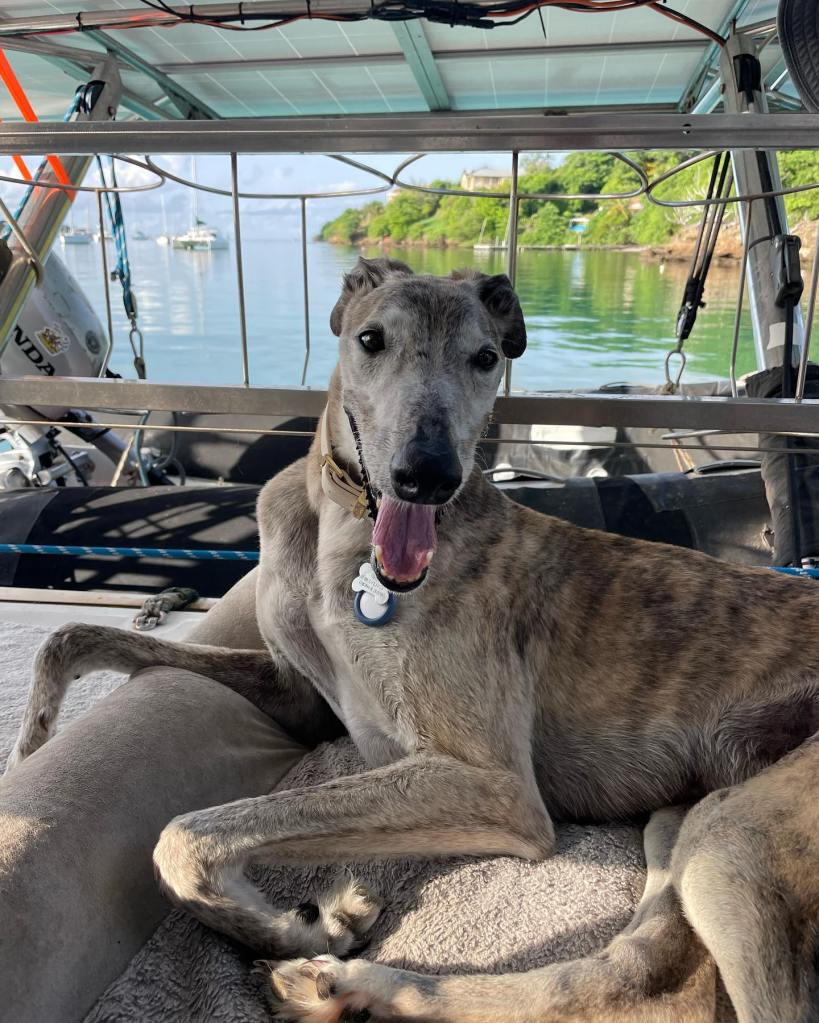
pixel 425 472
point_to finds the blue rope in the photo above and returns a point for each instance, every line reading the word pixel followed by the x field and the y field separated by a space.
pixel 123 267
pixel 79 93
pixel 206 555
pixel 129 552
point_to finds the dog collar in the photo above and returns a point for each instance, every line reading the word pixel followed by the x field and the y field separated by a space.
pixel 374 603
pixel 337 484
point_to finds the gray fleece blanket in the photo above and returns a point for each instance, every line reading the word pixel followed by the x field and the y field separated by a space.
pixel 463 914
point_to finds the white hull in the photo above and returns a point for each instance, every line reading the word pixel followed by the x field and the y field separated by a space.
pixel 199 244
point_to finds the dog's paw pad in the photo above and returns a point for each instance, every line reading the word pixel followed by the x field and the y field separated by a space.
pixel 305 990
pixel 348 912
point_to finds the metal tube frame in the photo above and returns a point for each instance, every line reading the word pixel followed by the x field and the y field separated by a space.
pixel 803 361
pixel 105 279
pixel 512 254
pixel 677 437
pixel 444 131
pixel 768 318
pixel 743 273
pixel 240 274
pixel 435 132
pixel 305 289
pixel 737 415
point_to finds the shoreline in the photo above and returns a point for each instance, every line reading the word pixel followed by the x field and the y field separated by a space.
pixel 729 247
pixel 667 252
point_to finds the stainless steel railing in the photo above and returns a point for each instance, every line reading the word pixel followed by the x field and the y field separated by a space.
pixel 643 187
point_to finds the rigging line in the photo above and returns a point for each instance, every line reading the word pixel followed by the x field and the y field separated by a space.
pixel 547 442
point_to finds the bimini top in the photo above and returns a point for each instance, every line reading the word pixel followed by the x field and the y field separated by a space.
pixel 360 56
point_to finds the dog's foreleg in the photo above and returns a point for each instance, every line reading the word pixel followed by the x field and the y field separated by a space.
pixel 747 871
pixel 76 650
pixel 422 806
pixel 655 971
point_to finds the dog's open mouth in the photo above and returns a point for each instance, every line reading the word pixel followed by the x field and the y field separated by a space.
pixel 404 541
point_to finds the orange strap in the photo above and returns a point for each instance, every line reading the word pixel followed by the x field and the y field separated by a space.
pixel 12 83
pixel 21 165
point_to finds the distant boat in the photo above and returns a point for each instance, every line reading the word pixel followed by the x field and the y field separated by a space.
pixel 74 236
pixel 164 239
pixel 200 238
pixel 140 236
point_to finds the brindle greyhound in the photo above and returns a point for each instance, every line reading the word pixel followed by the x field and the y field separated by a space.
pixel 542 671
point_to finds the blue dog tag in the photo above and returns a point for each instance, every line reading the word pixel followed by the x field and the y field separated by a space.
pixel 374 604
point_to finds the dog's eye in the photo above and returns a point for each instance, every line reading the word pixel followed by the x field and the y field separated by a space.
pixel 372 340
pixel 487 358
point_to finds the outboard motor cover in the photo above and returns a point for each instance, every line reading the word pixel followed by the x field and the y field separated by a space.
pixel 58 333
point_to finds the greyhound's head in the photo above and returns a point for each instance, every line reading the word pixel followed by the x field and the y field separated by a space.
pixel 421 360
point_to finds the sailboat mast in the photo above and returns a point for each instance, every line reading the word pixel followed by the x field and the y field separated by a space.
pixel 195 203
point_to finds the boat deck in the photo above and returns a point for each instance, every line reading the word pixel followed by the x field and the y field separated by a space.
pixel 49 609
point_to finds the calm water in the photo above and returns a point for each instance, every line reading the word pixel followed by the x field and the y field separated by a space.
pixel 593 317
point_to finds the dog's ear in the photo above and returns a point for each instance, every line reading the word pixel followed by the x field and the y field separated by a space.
pixel 502 304
pixel 365 275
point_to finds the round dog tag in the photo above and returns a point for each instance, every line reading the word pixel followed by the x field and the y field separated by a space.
pixel 370 612
pixel 374 604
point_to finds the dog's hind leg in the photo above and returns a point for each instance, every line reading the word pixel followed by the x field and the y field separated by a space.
pixel 75 650
pixel 655 971
pixel 747 871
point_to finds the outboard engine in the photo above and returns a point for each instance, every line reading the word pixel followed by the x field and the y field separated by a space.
pixel 57 334
pixel 47 325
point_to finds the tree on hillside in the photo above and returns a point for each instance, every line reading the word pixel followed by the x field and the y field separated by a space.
pixel 405 210
pixel 344 228
pixel 584 174
pixel 801 168
pixel 549 226
pixel 538 178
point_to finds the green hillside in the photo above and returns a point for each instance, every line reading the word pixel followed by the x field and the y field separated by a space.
pixel 418 218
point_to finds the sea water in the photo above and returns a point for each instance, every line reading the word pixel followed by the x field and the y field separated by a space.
pixel 593 317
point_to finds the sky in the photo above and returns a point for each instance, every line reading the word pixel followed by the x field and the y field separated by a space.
pixel 281 175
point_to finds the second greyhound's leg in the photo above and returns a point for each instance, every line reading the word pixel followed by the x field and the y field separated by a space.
pixel 655 971
pixel 75 650
pixel 747 870
pixel 421 806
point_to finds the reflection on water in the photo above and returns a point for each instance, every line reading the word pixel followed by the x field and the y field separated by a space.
pixel 593 317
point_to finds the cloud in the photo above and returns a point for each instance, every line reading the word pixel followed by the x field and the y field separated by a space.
pixel 174 204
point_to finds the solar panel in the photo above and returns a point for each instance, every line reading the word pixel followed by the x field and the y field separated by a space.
pixel 565 61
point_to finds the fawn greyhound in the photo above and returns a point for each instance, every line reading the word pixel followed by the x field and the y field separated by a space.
pixel 497 668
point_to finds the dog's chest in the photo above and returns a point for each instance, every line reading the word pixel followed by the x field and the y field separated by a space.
pixel 367 670
pixel 310 619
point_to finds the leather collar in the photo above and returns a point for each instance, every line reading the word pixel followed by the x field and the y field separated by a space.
pixel 336 483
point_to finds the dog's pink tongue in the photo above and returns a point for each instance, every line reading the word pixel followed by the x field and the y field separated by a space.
pixel 404 538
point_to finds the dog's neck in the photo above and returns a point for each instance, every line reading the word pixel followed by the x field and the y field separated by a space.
pixel 341 441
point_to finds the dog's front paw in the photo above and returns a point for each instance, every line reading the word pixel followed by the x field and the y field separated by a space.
pixel 312 991
pixel 348 912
